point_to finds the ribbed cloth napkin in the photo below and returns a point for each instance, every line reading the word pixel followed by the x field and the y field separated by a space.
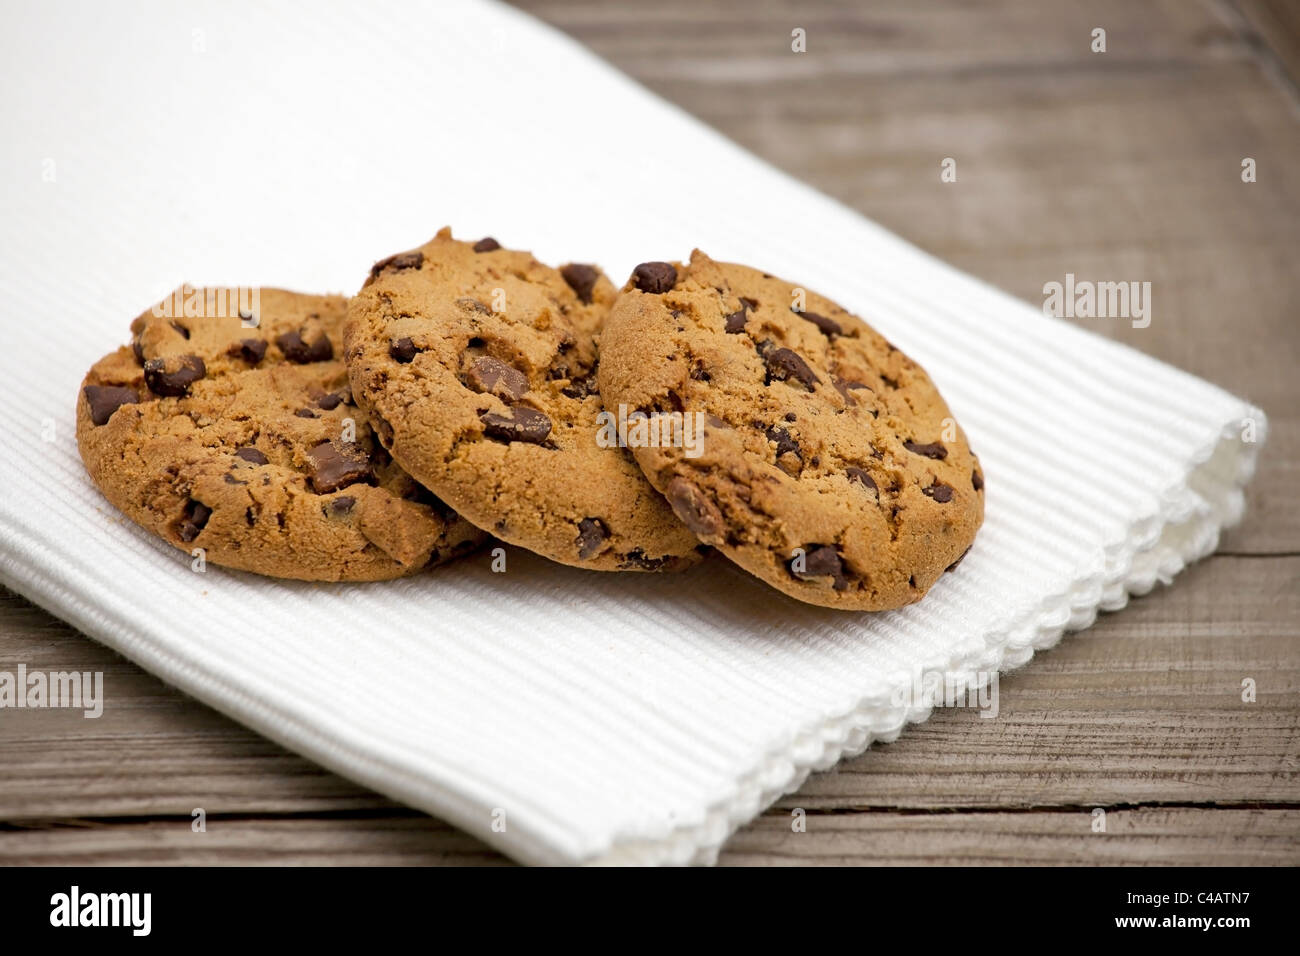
pixel 602 717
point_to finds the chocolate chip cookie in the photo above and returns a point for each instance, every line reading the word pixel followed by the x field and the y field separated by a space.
pixel 477 366
pixel 238 435
pixel 830 466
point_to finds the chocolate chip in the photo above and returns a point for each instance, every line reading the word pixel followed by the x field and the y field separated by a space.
pixel 655 277
pixel 251 351
pixel 296 350
pixel 194 517
pixel 329 402
pixel 249 453
pixel 977 480
pixel 306 413
pixel 789 456
pixel 694 509
pixel 403 260
pixel 497 378
pixel 581 279
pixel 342 504
pixel 783 365
pixel 859 474
pixel 137 349
pixel 821 561
pixel 581 387
pixel 104 400
pixel 639 560
pixel 232 480
pixel 829 327
pixel 523 424
pixel 736 321
pixel 184 371
pixel 185 333
pixel 487 244
pixel 332 470
pixel 592 533
pixel 784 443
pixel 939 492
pixel 846 389
pixel 403 350
pixel 933 450
pixel 750 304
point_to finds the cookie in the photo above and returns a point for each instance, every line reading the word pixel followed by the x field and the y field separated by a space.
pixel 477 367
pixel 240 437
pixel 829 467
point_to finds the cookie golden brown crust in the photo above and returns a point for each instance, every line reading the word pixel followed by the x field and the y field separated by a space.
pixel 831 467
pixel 477 367
pixel 236 440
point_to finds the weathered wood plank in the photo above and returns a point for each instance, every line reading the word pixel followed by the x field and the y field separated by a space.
pixel 1184 836
pixel 397 840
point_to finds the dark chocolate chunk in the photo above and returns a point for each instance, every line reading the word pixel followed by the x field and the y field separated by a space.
pixel 829 327
pixel 332 469
pixel 523 424
pixel 639 560
pixel 172 377
pixel 592 533
pixel 249 453
pixel 403 260
pixel 497 378
pixel 403 350
pixel 694 508
pixel 296 350
pixel 330 401
pixel 784 443
pixel 342 504
pixel 104 400
pixel 251 351
pixel 581 387
pixel 821 561
pixel 932 450
pixel 846 389
pixel 655 277
pixel 194 517
pixel 859 474
pixel 736 321
pixel 977 480
pixel 487 244
pixel 939 492
pixel 783 365
pixel 581 279
pixel 306 413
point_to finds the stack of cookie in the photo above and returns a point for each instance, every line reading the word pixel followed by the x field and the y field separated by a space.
pixel 470 391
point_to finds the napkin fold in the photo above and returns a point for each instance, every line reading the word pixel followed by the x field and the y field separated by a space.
pixel 563 716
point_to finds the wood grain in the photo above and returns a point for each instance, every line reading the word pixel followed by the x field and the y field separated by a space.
pixel 1122 165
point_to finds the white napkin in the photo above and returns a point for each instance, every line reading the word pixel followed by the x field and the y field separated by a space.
pixel 590 717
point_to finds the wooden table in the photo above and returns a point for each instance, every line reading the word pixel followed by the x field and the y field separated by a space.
pixel 1117 165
